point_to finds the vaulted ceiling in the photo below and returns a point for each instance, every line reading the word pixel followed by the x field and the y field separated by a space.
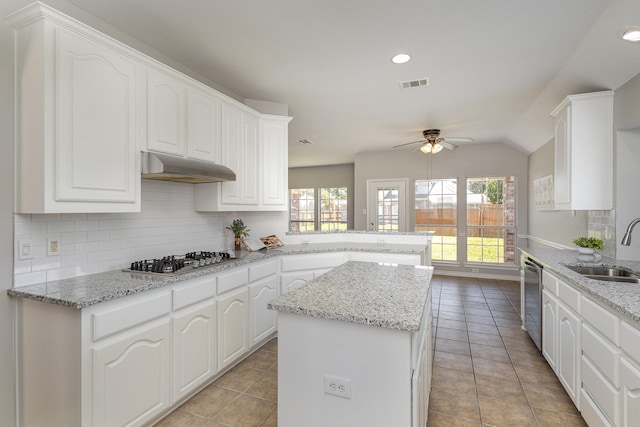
pixel 496 67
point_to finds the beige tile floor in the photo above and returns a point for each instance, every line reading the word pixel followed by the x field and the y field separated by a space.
pixel 486 371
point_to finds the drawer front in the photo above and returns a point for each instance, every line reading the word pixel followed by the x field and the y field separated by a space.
pixel 311 262
pixel 194 291
pixel 601 391
pixel 550 282
pixel 262 270
pixel 124 316
pixel 591 413
pixel 602 320
pixel 569 295
pixel 630 341
pixel 601 353
pixel 232 280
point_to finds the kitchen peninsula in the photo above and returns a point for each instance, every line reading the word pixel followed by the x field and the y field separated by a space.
pixel 354 347
pixel 85 342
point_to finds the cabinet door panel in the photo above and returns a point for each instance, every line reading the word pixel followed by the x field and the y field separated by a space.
pixel 233 326
pixel 549 331
pixel 96 145
pixel 274 164
pixel 165 113
pixel 194 349
pixel 232 152
pixel 291 281
pixel 630 394
pixel 263 320
pixel 203 126
pixel 250 154
pixel 568 361
pixel 131 377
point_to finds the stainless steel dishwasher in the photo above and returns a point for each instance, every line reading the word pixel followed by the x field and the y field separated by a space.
pixel 533 300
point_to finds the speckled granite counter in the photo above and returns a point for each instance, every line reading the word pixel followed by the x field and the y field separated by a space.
pixel 84 291
pixel 366 293
pixel 621 297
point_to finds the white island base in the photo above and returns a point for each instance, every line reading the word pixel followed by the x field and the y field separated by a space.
pixel 386 372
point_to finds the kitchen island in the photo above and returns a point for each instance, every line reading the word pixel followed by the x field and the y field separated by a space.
pixel 354 347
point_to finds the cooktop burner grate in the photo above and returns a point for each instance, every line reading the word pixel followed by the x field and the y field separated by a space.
pixel 178 264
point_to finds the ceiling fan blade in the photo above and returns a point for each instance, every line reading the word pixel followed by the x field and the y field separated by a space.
pixel 454 139
pixel 409 143
pixel 447 145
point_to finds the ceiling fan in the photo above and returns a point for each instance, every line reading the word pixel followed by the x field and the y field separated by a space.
pixel 434 143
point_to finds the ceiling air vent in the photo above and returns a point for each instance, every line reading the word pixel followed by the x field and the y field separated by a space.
pixel 408 84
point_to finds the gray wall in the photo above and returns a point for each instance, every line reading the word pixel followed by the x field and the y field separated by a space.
pixel 7 349
pixel 561 227
pixel 468 161
pixel 554 227
pixel 326 176
pixel 626 121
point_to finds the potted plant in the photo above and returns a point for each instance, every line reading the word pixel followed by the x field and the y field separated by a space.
pixel 239 231
pixel 588 245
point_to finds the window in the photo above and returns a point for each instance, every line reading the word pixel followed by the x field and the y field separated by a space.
pixel 387 204
pixel 436 210
pixel 333 209
pixel 324 209
pixel 491 216
pixel 302 209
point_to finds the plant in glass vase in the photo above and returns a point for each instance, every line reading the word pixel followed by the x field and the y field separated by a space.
pixel 239 230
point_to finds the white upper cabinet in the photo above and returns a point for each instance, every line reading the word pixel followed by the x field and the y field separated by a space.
pixel 255 147
pixel 583 177
pixel 183 117
pixel 274 133
pixel 203 125
pixel 166 113
pixel 77 117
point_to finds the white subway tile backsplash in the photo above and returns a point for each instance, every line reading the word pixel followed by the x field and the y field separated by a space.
pixel 60 226
pixel 95 243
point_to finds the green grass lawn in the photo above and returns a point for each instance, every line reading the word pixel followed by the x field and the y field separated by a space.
pixel 444 248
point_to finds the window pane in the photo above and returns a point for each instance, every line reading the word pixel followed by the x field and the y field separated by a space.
pixel 333 209
pixel 302 209
pixel 387 201
pixel 436 210
pixel 491 232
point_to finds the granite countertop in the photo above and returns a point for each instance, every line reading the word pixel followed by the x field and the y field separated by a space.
pixel 367 293
pixel 621 297
pixel 84 291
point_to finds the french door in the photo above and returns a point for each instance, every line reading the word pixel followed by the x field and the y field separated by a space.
pixel 387 204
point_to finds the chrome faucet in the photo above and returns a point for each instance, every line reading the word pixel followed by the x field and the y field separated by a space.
pixel 626 240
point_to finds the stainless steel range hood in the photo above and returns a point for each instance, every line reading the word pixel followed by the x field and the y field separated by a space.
pixel 165 167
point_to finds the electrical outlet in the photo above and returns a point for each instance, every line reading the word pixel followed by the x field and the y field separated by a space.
pixel 53 246
pixel 336 386
pixel 24 249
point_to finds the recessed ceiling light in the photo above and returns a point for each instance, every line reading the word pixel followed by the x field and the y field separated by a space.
pixel 401 58
pixel 630 34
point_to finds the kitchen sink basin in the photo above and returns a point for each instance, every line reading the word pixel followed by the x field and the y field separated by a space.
pixel 607 274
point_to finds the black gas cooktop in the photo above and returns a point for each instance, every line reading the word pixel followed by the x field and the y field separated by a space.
pixel 178 264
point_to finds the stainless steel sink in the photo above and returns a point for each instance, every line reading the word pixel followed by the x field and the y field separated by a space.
pixel 607 274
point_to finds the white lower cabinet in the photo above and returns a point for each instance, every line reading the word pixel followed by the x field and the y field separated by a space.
pixel 629 394
pixel 596 355
pixel 263 320
pixel 132 377
pixel 549 328
pixel 194 348
pixel 568 362
pixel 233 326
pixel 291 281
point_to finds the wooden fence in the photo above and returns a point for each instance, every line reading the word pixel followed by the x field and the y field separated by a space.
pixel 484 215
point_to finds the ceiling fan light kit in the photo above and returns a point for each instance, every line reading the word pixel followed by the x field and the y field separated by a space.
pixel 433 143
